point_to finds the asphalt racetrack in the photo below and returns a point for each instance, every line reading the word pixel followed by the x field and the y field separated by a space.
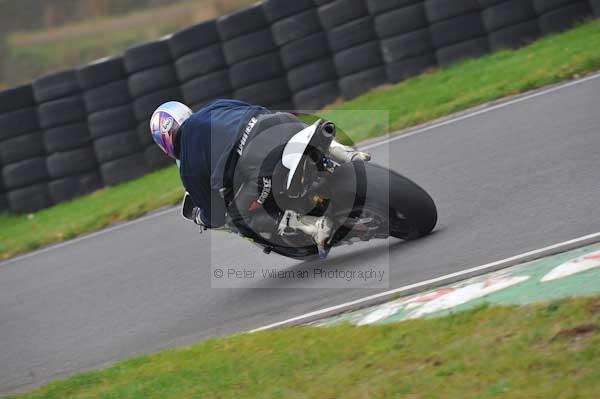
pixel 507 181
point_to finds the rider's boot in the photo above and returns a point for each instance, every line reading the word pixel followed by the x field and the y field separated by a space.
pixel 343 153
pixel 319 228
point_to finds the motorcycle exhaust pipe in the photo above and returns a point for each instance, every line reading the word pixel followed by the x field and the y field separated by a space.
pixel 327 132
pixel 328 129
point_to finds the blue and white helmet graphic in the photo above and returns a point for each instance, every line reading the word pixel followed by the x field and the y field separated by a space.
pixel 165 122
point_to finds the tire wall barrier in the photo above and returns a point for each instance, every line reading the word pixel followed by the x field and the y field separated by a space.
pixel 355 45
pixel 256 72
pixel 72 132
pixel 25 178
pixel 111 120
pixel 70 159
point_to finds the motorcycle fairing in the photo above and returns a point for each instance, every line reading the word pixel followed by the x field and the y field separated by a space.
pixel 295 149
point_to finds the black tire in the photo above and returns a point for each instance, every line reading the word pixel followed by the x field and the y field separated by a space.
pixel 489 3
pixel 206 87
pixel 340 12
pixel 108 96
pixel 377 7
pixel 16 98
pixel 351 34
pixel 55 85
pixel 257 69
pixel 111 121
pixel 509 13
pixel 317 97
pixel 439 10
pixel 147 55
pixel 457 52
pixel 514 36
pixel 29 199
pixel 62 112
pixel 144 107
pixel 201 62
pixel 151 80
pixel 143 133
pixel 544 6
pixel 21 147
pixel 285 106
pixel 4 205
pixel 359 58
pixel 354 85
pixel 406 46
pixel 25 173
pixel 265 93
pixel 68 188
pixel 402 20
pixel 71 163
pixel 123 169
pixel 410 205
pixel 67 138
pixel 18 122
pixel 456 30
pixel 101 72
pixel 296 27
pixel 241 22
pixel 564 18
pixel 156 158
pixel 409 67
pixel 596 7
pixel 305 50
pixel 247 46
pixel 191 39
pixel 311 74
pixel 117 146
pixel 279 9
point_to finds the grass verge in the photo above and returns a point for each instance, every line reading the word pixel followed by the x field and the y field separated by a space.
pixel 535 351
pixel 34 53
pixel 474 82
pixel 424 98
pixel 23 233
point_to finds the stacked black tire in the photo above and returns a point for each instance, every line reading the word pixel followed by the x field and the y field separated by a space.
pixel 111 120
pixel 255 70
pixel 200 64
pixel 152 82
pixel 406 45
pixel 595 7
pixel 509 23
pixel 304 52
pixel 71 163
pixel 352 38
pixel 4 207
pixel 24 183
pixel 457 29
pixel 559 15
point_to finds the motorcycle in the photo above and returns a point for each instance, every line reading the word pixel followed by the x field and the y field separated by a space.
pixel 364 201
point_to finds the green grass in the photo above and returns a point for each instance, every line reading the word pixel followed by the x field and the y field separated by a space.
pixel 536 351
pixel 23 233
pixel 442 92
pixel 24 63
pixel 34 53
pixel 424 98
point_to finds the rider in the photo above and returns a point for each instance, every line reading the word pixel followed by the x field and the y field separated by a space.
pixel 207 146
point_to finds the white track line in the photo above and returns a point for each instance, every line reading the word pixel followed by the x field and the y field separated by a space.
pixel 367 147
pixel 435 282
